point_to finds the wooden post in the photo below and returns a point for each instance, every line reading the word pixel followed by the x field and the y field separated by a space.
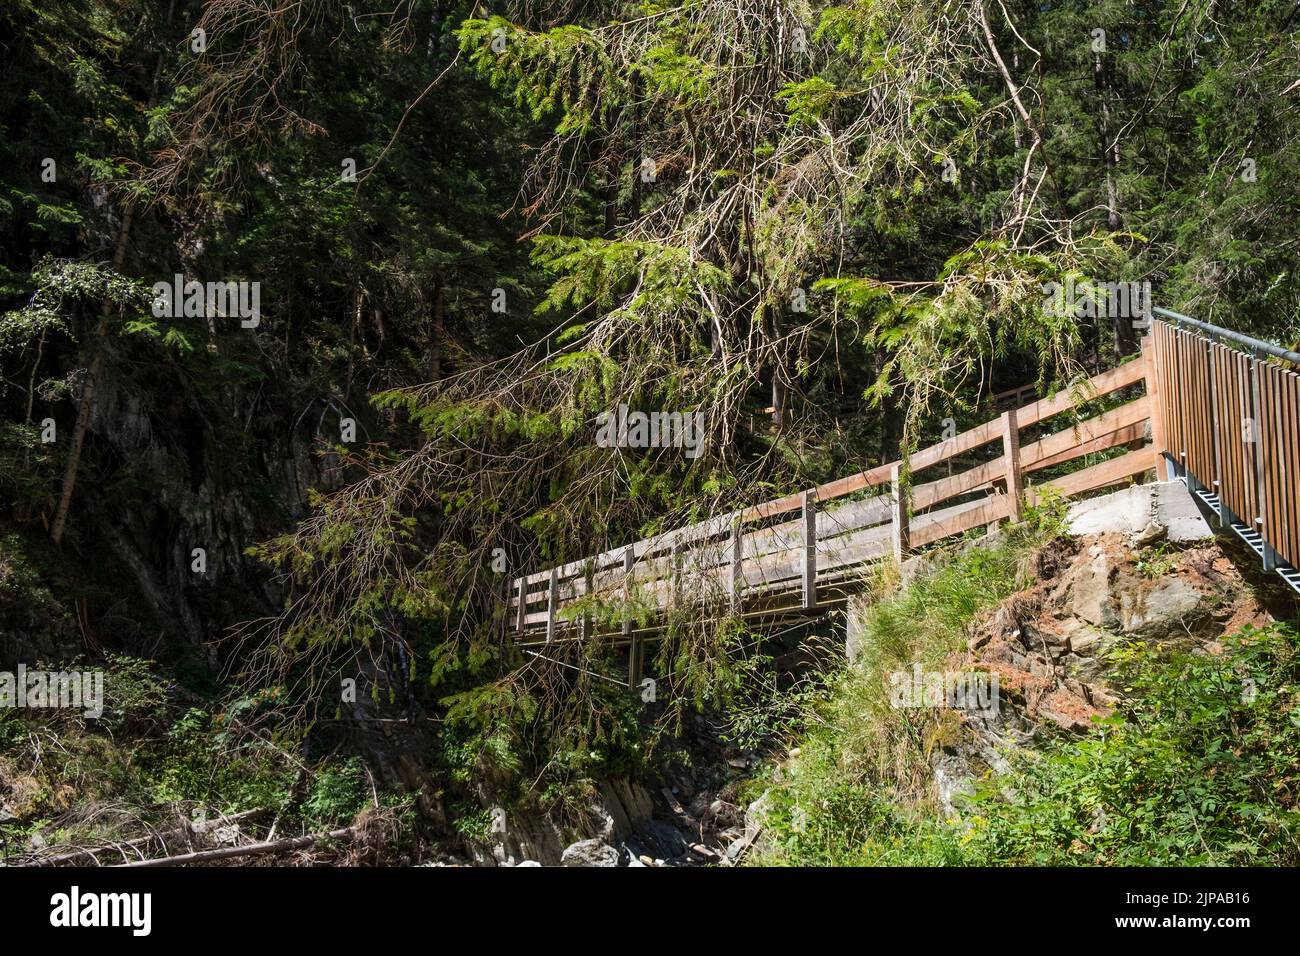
pixel 588 580
pixel 629 558
pixel 634 644
pixel 1217 480
pixel 523 603
pixel 552 604
pixel 1156 394
pixel 678 553
pixel 900 528
pixel 1260 521
pixel 507 589
pixel 737 582
pixel 809 549
pixel 1011 454
pixel 635 665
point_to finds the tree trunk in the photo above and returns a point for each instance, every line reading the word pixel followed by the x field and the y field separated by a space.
pixel 87 402
pixel 611 205
pixel 778 374
pixel 436 331
pixel 1125 335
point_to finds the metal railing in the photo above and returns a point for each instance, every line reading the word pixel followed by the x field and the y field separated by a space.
pixel 1247 341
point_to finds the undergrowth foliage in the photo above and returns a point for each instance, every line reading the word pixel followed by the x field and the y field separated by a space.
pixel 1197 766
pixel 157 758
pixel 1193 771
pixel 861 757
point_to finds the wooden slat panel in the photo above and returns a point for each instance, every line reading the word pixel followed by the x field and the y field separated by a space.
pixel 1224 379
pixel 1280 506
pixel 1151 366
pixel 1267 443
pixel 1248 409
pixel 1240 496
pixel 958 445
pixel 949 521
pixel 1177 410
pixel 1196 400
pixel 768 541
pixel 1290 400
pixel 1231 482
pixel 1185 425
pixel 1278 439
pixel 1121 436
pixel 1126 435
pixel 931 493
pixel 1174 422
pixel 1064 445
pixel 1111 472
pixel 1283 484
pixel 1094 388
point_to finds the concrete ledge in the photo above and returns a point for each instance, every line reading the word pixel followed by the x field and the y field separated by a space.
pixel 1142 510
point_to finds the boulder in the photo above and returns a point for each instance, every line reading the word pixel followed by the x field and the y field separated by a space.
pixel 1166 606
pixel 1090 586
pixel 590 853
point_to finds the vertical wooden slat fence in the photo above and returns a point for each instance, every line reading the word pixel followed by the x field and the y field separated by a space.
pixel 1231 428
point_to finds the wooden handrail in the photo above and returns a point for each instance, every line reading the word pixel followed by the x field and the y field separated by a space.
pixel 1226 421
pixel 984 434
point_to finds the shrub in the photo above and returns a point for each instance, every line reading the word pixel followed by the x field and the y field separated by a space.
pixel 1201 767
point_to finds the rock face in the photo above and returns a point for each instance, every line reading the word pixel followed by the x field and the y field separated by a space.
pixel 1047 643
pixel 1147 569
pixel 624 825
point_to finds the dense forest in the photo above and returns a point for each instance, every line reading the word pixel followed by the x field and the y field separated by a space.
pixel 308 310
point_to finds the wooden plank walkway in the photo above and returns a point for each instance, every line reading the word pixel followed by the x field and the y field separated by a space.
pixel 1225 421
pixel 804 552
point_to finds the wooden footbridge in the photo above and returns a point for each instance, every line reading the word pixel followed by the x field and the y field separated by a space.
pixel 1192 405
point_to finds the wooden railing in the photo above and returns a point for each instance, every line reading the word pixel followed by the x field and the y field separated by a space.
pixel 806 550
pixel 1230 425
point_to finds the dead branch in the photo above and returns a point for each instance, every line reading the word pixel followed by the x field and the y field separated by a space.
pixel 253 849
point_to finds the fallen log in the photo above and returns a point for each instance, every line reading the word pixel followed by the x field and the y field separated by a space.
pixel 194 828
pixel 252 849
